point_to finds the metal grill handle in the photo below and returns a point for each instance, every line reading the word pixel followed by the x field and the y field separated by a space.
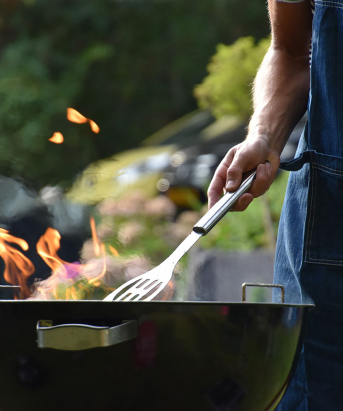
pixel 75 337
pixel 245 285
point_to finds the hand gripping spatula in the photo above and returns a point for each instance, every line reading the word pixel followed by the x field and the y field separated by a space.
pixel 147 286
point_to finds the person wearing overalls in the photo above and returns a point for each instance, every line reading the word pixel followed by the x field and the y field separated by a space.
pixel 302 70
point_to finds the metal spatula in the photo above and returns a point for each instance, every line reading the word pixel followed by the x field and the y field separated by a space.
pixel 147 286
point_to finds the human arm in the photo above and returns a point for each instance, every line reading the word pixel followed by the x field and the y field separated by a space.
pixel 280 96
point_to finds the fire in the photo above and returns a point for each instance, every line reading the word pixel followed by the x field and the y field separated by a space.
pixel 99 248
pixel 96 242
pixel 168 291
pixel 17 266
pixel 68 281
pixel 47 248
pixel 113 251
pixel 76 117
pixel 95 128
pixel 57 138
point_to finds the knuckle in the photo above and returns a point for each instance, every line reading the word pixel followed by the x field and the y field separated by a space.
pixel 234 170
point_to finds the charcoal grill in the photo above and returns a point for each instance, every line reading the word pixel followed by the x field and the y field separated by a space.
pixel 155 356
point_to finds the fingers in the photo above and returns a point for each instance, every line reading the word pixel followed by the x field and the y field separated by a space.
pixel 234 173
pixel 213 197
pixel 245 157
pixel 218 182
pixel 243 202
pixel 263 180
pixel 261 184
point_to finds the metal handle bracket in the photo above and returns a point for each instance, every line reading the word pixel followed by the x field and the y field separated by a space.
pixel 245 285
pixel 74 337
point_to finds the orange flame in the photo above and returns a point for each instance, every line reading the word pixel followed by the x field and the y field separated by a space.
pixel 47 247
pixel 17 267
pixel 168 292
pixel 96 241
pixel 113 251
pixel 57 138
pixel 72 276
pixel 95 128
pixel 94 280
pixel 99 248
pixel 75 117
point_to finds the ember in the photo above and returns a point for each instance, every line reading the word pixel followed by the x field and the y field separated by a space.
pixel 76 117
pixel 57 138
pixel 95 128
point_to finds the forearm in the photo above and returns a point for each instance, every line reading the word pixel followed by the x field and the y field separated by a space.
pixel 280 97
pixel 281 92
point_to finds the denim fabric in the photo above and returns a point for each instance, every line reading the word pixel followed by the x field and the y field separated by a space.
pixel 295 398
pixel 309 256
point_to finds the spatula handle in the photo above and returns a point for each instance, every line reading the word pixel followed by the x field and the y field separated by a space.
pixel 217 212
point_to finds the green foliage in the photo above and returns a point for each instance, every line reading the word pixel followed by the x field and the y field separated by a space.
pixel 239 231
pixel 128 65
pixel 146 241
pixel 227 88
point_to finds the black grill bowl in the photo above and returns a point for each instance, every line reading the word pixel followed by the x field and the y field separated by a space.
pixel 199 356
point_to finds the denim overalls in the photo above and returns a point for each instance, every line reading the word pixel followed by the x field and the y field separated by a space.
pixel 309 256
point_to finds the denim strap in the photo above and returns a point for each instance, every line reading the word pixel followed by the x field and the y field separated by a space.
pixel 297 163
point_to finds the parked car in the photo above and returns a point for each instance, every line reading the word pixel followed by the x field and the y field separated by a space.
pixel 186 178
pixel 140 168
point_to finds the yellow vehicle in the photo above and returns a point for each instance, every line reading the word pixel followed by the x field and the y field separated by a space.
pixel 140 168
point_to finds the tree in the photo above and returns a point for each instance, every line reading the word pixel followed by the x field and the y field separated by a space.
pixel 128 65
pixel 227 88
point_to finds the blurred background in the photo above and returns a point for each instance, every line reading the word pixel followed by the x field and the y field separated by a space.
pixel 114 115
